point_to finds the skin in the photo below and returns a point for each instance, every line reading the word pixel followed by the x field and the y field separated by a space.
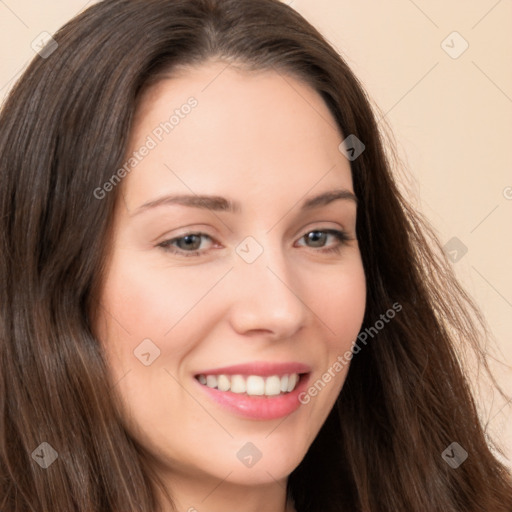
pixel 270 142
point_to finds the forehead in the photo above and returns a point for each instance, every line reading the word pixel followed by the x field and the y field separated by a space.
pixel 249 131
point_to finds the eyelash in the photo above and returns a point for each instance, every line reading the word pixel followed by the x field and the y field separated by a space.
pixel 340 235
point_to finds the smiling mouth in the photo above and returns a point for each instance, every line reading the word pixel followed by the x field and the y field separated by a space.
pixel 252 385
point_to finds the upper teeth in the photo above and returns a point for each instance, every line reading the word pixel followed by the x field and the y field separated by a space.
pixel 251 384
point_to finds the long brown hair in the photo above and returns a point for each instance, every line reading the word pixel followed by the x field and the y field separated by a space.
pixel 64 132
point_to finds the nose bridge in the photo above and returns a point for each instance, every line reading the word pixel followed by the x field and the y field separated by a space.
pixel 265 296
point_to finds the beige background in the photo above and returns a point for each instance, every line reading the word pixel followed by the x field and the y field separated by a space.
pixel 451 116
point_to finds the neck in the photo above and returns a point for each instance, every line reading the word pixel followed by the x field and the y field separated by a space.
pixel 211 495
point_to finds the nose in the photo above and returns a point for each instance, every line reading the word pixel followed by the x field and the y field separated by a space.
pixel 267 297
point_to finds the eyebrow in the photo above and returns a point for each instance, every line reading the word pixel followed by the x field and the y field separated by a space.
pixel 221 204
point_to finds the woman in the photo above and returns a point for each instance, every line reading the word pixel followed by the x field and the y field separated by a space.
pixel 303 358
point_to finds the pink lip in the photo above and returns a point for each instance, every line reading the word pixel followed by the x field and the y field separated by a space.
pixel 259 407
pixel 265 369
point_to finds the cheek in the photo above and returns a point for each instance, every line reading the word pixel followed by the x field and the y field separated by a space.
pixel 142 301
pixel 144 310
pixel 338 304
pixel 148 301
pixel 338 300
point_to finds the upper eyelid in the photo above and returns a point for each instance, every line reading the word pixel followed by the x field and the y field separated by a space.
pixel 316 227
pixel 202 233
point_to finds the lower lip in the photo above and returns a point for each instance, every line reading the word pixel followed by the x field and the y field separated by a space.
pixel 258 407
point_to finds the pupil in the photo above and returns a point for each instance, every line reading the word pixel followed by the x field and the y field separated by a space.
pixel 190 238
pixel 315 236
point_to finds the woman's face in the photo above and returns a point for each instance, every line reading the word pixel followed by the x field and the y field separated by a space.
pixel 244 298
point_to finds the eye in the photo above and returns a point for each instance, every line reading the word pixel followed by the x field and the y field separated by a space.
pixel 190 243
pixel 186 245
pixel 318 238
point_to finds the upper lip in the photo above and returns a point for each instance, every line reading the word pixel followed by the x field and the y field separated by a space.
pixel 262 368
